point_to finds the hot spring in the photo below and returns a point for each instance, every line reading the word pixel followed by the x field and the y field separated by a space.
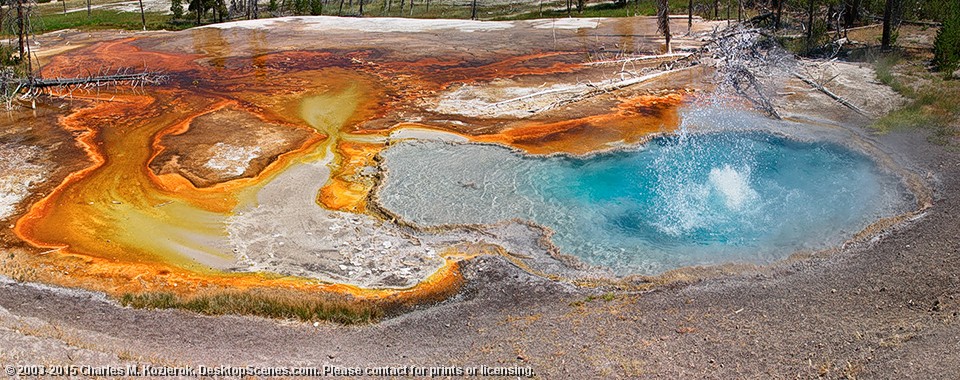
pixel 680 200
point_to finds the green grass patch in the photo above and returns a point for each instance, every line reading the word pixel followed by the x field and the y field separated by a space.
pixel 884 68
pixel 932 106
pixel 420 9
pixel 629 9
pixel 104 19
pixel 606 297
pixel 51 7
pixel 600 10
pixel 264 303
pixel 51 17
pixel 504 11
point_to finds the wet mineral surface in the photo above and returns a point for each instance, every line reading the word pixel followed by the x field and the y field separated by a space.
pixel 256 159
pixel 251 164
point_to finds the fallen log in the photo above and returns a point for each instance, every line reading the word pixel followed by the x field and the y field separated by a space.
pixel 611 87
pixel 830 94
pixel 581 92
pixel 642 58
pixel 146 77
pixel 913 22
pixel 534 95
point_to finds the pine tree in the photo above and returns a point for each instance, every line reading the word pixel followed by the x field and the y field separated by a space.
pixel 176 7
pixel 300 7
pixel 199 8
pixel 946 48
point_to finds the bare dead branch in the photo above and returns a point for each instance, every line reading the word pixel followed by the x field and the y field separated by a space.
pixel 830 94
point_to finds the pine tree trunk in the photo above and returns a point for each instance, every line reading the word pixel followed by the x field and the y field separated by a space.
pixel 779 12
pixel 663 21
pixel 851 12
pixel 810 4
pixel 21 29
pixel 728 11
pixel 26 37
pixel 143 17
pixel 887 27
pixel 829 20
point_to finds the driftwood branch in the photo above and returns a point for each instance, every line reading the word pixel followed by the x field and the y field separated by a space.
pixel 31 87
pixel 576 93
pixel 611 87
pixel 830 94
pixel 641 58
pixel 534 95
pixel 95 81
pixel 745 83
pixel 741 58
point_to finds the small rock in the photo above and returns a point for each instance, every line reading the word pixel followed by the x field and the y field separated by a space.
pixel 956 74
pixel 368 171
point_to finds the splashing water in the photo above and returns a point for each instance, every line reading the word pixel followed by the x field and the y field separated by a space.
pixel 688 199
pixel 732 185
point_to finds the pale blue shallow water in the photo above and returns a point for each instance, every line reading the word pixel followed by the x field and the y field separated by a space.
pixel 702 199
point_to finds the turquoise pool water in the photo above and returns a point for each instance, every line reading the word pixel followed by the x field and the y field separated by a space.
pixel 700 199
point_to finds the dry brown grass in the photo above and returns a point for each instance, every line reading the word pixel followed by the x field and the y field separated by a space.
pixel 271 303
